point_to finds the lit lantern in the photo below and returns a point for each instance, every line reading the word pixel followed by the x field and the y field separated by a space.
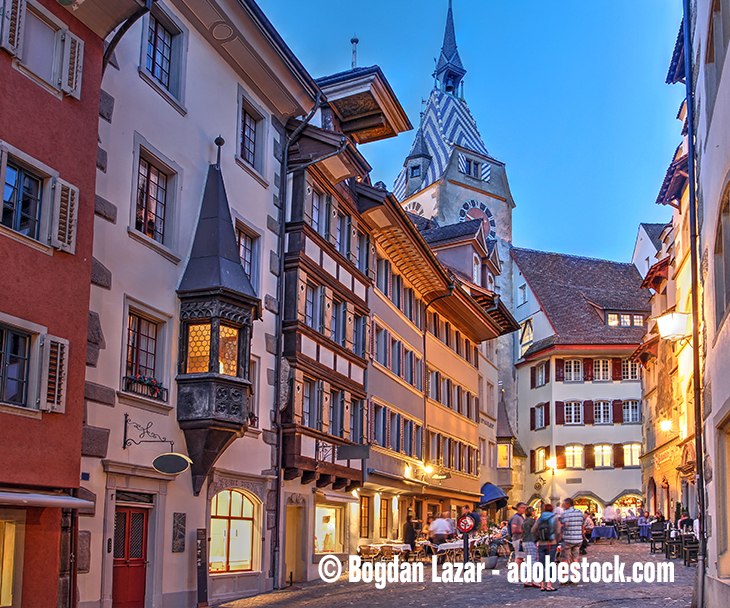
pixel 675 325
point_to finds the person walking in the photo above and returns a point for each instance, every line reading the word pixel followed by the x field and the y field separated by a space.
pixel 466 510
pixel 515 531
pixel 439 529
pixel 572 527
pixel 547 530
pixel 409 533
pixel 529 540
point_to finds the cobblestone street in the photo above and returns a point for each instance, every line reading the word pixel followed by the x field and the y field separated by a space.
pixel 495 590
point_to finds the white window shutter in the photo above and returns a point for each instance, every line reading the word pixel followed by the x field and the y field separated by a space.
pixel 54 373
pixel 12 26
pixel 72 66
pixel 65 216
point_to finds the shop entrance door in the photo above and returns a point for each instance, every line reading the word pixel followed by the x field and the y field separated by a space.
pixel 130 557
pixel 295 533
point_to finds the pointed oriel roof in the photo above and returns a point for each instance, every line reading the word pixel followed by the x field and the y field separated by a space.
pixel 214 264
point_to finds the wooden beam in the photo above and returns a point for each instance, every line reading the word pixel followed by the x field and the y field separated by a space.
pixel 340 483
pixel 309 476
pixel 324 480
pixel 290 474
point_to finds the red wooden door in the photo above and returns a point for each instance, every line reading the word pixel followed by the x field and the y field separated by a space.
pixel 130 557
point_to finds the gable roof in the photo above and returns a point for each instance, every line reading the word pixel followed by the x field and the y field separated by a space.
pixel 574 291
pixel 654 232
pixel 450 232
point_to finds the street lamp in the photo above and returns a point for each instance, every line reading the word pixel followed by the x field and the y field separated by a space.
pixel 675 325
pixel 665 425
pixel 551 463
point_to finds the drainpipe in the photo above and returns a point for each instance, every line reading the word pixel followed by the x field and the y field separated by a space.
pixel 276 550
pixel 696 375
pixel 425 364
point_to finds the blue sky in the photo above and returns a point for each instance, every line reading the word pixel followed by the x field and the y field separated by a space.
pixel 570 95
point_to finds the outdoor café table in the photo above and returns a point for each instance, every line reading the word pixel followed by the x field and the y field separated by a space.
pixel 395 546
pixel 608 532
pixel 644 530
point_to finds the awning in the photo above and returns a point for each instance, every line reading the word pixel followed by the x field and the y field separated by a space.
pixel 58 501
pixel 336 496
pixel 493 494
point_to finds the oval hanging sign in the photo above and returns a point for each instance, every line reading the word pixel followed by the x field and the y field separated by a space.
pixel 171 463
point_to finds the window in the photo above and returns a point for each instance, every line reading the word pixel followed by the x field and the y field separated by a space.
pixel 722 261
pixel 602 413
pixel 631 412
pixel 358 428
pixel 46 50
pixel 638 320
pixel 573 412
pixel 396 346
pixel 380 424
pixel 342 234
pixel 14 366
pixel 384 509
pixel 164 55
pixel 408 437
pixel 603 455
pixel 540 375
pixel 248 244
pixel 539 459
pixel 364 516
pixel 337 413
pixel 416 171
pixel 231 532
pixel 525 336
pixel 151 200
pixel 632 451
pixel 338 327
pixel 483 455
pixel 362 252
pixel 574 456
pixel 359 330
pixel 314 307
pixel 613 319
pixel 629 370
pixel 573 370
pixel 418 442
pixel 409 372
pixel 12 533
pixel 476 271
pixel 381 346
pixel 521 294
pixel 395 432
pixel 383 276
pixel 23 195
pixel 396 289
pixel 433 385
pixel 141 346
pixel 312 404
pixel 328 529
pixel 445 392
pixel 228 350
pixel 625 320
pixel 504 455
pixel 32 206
pixel 540 416
pixel 601 369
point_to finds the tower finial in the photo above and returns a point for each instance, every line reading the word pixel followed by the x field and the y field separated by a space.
pixel 219 141
pixel 354 40
pixel 449 69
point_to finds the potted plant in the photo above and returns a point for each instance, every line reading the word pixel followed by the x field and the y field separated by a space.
pixel 489 556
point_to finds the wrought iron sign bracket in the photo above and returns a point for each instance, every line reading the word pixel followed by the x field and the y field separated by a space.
pixel 144 433
pixel 323 452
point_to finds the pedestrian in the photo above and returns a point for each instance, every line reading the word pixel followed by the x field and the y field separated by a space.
pixel 547 530
pixel 529 540
pixel 426 530
pixel 450 522
pixel 409 533
pixel 685 521
pixel 588 525
pixel 572 529
pixel 439 529
pixel 659 517
pixel 643 518
pixel 466 510
pixel 515 531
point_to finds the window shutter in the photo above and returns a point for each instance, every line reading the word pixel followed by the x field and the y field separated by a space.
pixel 616 370
pixel 618 455
pixel 462 163
pixel 532 461
pixel 560 456
pixel 13 24
pixel 559 370
pixel 546 413
pixel 532 418
pixel 588 412
pixel 532 376
pixel 54 374
pixel 371 338
pixel 370 421
pixel 65 216
pixel 322 309
pixel 73 64
pixel 372 261
pixel 320 404
pixel 588 370
pixel 386 413
pixel 618 411
pixel 547 371
pixel 331 210
pixel 547 452
pixel 590 456
pixel 559 412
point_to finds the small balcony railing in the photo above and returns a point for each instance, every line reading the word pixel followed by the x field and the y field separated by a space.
pixel 145 387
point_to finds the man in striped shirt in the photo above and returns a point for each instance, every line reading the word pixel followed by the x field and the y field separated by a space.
pixel 572 523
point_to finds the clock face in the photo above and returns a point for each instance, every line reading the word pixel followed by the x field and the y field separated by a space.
pixel 477 210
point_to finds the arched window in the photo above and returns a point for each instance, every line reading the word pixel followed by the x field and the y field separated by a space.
pixel 477 270
pixel 231 532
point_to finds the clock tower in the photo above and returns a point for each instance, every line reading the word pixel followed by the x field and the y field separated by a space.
pixel 450 176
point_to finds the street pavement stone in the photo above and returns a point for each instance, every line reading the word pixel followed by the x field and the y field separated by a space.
pixel 494 591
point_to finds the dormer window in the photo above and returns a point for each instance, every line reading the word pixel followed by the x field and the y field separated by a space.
pixel 416 171
pixel 616 319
